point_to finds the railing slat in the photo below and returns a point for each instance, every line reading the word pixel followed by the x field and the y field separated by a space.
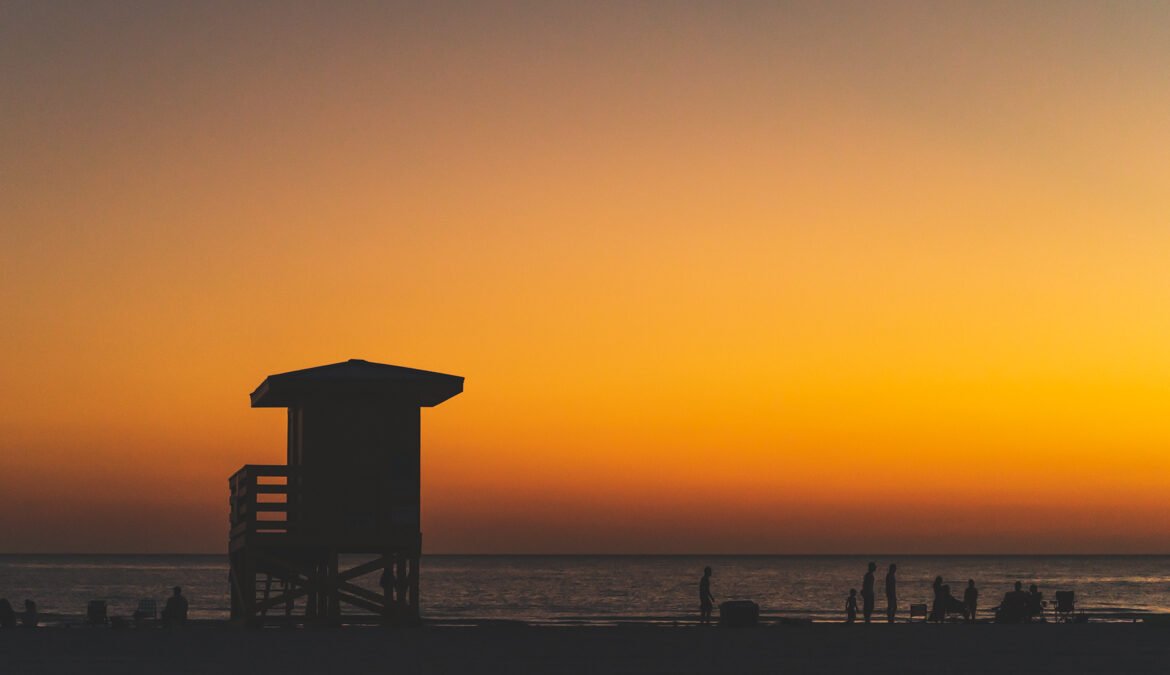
pixel 270 489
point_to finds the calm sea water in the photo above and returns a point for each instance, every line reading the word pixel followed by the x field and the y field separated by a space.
pixel 602 589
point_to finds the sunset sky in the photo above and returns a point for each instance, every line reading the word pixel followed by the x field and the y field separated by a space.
pixel 754 277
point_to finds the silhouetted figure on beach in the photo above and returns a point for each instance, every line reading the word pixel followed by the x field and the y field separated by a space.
pixel 938 610
pixel 851 606
pixel 891 593
pixel 29 618
pixel 971 599
pixel 706 600
pixel 1014 606
pixel 175 611
pixel 867 592
pixel 951 604
pixel 1035 603
pixel 7 615
pixel 945 603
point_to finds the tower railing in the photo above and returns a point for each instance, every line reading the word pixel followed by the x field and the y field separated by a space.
pixel 261 498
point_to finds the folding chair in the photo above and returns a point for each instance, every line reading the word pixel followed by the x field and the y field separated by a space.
pixel 919 612
pixel 1064 607
pixel 147 611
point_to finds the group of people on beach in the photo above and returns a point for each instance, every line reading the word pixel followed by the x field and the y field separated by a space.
pixel 946 604
pixel 1020 606
pixel 1017 606
pixel 174 613
pixel 868 599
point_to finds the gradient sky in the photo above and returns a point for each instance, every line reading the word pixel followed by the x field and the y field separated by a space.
pixel 722 277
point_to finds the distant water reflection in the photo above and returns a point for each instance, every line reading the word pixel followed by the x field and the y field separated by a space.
pixel 603 589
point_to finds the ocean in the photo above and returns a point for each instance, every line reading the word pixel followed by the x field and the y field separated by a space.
pixel 608 589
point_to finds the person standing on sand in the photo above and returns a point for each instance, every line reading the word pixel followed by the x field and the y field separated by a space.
pixel 891 593
pixel 971 600
pixel 938 610
pixel 867 592
pixel 851 606
pixel 706 600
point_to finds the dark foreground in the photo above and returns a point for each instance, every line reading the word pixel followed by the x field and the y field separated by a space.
pixel 814 648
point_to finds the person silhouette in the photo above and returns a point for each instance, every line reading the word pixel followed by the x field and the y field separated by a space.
pixel 706 600
pixel 1035 603
pixel 971 599
pixel 867 592
pixel 951 604
pixel 1014 606
pixel 938 610
pixel 29 618
pixel 891 593
pixel 175 611
pixel 7 614
pixel 851 606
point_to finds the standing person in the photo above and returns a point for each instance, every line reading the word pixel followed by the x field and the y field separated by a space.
pixel 971 599
pixel 891 593
pixel 706 600
pixel 867 592
pixel 938 608
pixel 851 606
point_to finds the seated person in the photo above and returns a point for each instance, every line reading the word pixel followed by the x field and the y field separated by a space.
pixel 175 612
pixel 938 610
pixel 29 618
pixel 1035 603
pixel 951 604
pixel 7 615
pixel 1014 607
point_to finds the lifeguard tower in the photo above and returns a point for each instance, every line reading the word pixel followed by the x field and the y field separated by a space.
pixel 350 489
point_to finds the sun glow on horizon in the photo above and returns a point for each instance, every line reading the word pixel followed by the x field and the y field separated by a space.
pixel 795 278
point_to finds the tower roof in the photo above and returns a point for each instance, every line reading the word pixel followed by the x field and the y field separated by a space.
pixel 356 377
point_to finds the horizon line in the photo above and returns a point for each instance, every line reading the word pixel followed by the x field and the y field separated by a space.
pixel 646 555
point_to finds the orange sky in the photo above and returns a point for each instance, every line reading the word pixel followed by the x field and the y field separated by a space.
pixel 773 277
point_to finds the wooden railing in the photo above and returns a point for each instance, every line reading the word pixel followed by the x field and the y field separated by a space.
pixel 351 508
pixel 261 498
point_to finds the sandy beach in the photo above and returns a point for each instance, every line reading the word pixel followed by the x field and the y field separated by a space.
pixel 515 648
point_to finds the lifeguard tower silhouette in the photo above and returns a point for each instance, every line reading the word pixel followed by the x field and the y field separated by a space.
pixel 350 487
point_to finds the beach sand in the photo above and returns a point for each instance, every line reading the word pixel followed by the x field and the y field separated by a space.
pixel 812 648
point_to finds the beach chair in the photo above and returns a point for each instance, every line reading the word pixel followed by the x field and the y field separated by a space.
pixel 95 613
pixel 1064 606
pixel 919 612
pixel 739 613
pixel 147 612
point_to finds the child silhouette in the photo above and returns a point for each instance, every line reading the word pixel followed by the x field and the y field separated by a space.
pixel 851 606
